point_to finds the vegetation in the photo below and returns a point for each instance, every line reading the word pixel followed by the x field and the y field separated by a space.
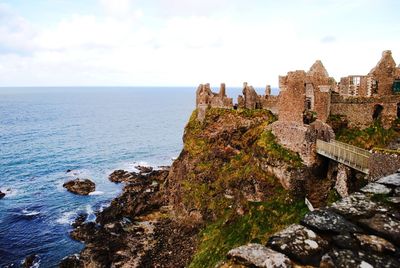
pixel 262 220
pixel 374 136
pixel 226 151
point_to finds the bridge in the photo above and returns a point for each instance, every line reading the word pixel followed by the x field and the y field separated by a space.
pixel 346 154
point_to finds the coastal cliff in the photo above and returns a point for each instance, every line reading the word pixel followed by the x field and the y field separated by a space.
pixel 232 184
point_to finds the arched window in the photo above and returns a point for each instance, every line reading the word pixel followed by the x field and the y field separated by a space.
pixel 377 111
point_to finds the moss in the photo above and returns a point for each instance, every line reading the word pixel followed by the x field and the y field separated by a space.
pixel 267 142
pixel 257 225
pixel 374 136
pixel 333 196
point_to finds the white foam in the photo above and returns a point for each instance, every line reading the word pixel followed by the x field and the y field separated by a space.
pixel 96 193
pixel 67 217
pixel 26 212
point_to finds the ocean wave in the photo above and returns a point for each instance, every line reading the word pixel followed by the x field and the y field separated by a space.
pixel 28 213
pixel 96 193
pixel 67 218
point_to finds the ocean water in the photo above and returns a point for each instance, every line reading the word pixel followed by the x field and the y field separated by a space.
pixel 91 131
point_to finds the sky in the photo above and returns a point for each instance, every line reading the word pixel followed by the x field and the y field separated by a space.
pixel 188 42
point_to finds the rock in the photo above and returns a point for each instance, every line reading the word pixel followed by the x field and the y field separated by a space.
pixel 80 186
pixel 383 225
pixel 31 261
pixel 299 243
pixel 356 205
pixel 378 260
pixel 256 255
pixel 345 241
pixel 118 176
pixel 144 169
pixel 2 195
pixel 84 231
pixel 68 170
pixel 72 261
pixel 391 180
pixel 376 188
pixel 394 200
pixel 343 258
pixel 375 243
pixel 79 220
pixel 397 191
pixel 328 221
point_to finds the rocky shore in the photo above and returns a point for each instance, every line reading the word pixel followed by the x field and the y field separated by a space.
pixel 136 226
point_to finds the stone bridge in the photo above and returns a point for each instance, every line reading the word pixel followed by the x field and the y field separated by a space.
pixel 346 154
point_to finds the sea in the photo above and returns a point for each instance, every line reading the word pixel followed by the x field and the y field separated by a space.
pixel 45 131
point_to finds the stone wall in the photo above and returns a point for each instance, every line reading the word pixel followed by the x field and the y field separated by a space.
pixel 385 72
pixel 359 111
pixel 382 164
pixel 301 138
pixel 270 103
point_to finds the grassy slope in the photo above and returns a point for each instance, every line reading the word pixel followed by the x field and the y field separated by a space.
pixel 205 185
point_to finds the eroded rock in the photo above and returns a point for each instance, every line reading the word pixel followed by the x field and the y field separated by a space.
pixel 392 180
pixel 375 243
pixel 328 221
pixel 80 186
pixel 299 243
pixel 256 255
pixel 383 225
pixel 376 188
pixel 356 205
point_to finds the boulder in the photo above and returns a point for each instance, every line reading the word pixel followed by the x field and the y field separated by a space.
pixel 72 261
pixel 356 205
pixel 79 220
pixel 144 169
pixel 376 188
pixel 31 261
pixel 345 241
pixel 80 186
pixel 343 258
pixel 118 176
pixel 383 225
pixel 328 221
pixel 391 180
pixel 2 195
pixel 299 243
pixel 256 255
pixel 375 243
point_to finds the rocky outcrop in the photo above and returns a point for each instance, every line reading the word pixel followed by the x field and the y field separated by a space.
pixel 136 227
pixel 361 230
pixel 80 186
pixel 2 195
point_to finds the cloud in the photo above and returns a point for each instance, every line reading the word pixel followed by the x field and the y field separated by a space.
pixel 16 33
pixel 328 39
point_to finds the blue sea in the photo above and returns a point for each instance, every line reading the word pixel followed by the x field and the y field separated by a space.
pixel 92 131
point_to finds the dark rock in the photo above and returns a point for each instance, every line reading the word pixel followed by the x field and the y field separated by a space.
pixel 80 220
pixel 72 261
pixel 328 221
pixel 256 255
pixel 384 226
pixel 375 243
pixel 391 180
pixel 2 195
pixel 68 170
pixel 118 176
pixel 357 205
pixel 379 260
pixel 299 243
pixel 144 169
pixel 342 258
pixel 80 186
pixel 397 191
pixel 31 260
pixel 345 241
pixel 84 232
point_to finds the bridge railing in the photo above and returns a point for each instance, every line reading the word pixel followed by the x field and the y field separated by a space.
pixel 347 154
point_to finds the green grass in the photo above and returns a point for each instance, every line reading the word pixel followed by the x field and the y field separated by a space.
pixel 261 220
pixel 368 138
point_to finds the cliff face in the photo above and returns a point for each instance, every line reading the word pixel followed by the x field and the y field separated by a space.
pixel 223 163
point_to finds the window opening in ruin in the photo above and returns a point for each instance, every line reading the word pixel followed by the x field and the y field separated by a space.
pixel 308 103
pixel 355 80
pixel 377 111
pixel 374 87
pixel 396 86
pixel 398 110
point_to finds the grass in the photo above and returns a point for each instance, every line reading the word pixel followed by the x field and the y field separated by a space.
pixel 262 220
